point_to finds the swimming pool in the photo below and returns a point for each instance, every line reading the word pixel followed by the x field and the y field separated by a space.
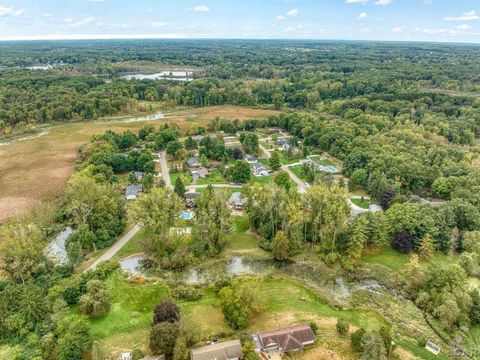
pixel 186 215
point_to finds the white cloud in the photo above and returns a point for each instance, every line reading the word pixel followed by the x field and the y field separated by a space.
pixel 356 2
pixel 398 29
pixel 83 22
pixel 383 2
pixel 466 16
pixel 158 24
pixel 293 12
pixel 280 18
pixel 463 27
pixel 10 11
pixel 293 28
pixel 91 36
pixel 362 16
pixel 200 9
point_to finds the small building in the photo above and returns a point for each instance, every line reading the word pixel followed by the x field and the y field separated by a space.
pixel 202 172
pixel 139 175
pixel 176 231
pixel 56 250
pixel 236 201
pixel 432 347
pixel 190 198
pixel 281 142
pixel 228 350
pixel 250 159
pixel 131 192
pixel 193 162
pixel 290 339
pixel 259 169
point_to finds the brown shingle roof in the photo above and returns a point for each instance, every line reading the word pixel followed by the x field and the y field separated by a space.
pixel 289 339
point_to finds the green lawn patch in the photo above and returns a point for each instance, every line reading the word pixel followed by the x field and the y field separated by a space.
pixel 185 176
pixel 287 161
pixel 215 177
pixel 475 333
pixel 363 203
pixel 264 180
pixel 386 257
pixel 132 247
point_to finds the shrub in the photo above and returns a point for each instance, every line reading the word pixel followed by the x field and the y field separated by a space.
pixel 137 354
pixel 166 311
pixel 96 301
pixel 314 327
pixel 163 338
pixel 357 339
pixel 342 326
pixel 189 293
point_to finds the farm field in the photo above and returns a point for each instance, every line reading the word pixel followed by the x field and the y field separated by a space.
pixel 37 170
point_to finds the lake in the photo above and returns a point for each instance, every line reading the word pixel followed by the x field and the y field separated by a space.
pixel 163 75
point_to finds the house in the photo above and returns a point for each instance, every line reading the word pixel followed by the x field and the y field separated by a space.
pixel 236 201
pixel 259 169
pixel 432 347
pixel 202 172
pixel 290 339
pixel 229 350
pixel 131 192
pixel 250 159
pixel 56 250
pixel 138 175
pixel 190 198
pixel 193 162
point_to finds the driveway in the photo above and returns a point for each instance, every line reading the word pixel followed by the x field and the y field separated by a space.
pixel 301 188
pixel 115 248
pixel 165 170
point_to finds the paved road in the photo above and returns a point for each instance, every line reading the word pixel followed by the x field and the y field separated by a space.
pixel 225 186
pixel 165 171
pixel 115 248
pixel 300 184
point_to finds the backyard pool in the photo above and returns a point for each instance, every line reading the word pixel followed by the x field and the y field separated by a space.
pixel 186 215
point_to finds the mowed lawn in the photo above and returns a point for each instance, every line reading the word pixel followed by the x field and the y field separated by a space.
pixel 37 170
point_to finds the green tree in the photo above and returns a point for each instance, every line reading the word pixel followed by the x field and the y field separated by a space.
pixel 240 172
pixel 280 246
pixel 163 338
pixel 179 188
pixel 373 347
pixel 426 249
pixel 96 301
pixel 274 161
pixel 357 237
pixel 342 327
pixel 250 143
pixel 282 179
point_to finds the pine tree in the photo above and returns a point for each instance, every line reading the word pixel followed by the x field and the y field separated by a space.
pixel 426 249
pixel 179 188
pixel 358 237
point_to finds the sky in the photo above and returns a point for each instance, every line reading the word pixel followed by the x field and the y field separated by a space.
pixel 396 20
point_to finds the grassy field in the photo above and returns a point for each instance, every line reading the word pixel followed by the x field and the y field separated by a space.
pixel 37 170
pixel 186 177
pixel 387 257
pixel 363 203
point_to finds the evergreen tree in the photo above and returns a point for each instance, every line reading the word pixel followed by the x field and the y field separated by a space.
pixel 179 188
pixel 358 237
pixel 426 249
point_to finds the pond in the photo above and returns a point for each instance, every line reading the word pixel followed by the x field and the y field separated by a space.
pixel 186 215
pixel 163 75
pixel 133 265
pixel 237 265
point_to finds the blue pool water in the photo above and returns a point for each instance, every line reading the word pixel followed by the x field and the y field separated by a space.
pixel 186 215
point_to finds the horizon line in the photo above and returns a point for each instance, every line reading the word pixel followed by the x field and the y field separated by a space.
pixel 59 37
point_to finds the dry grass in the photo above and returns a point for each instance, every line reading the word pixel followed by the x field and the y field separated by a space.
pixel 37 170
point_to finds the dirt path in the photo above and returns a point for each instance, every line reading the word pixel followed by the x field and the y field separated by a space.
pixel 165 170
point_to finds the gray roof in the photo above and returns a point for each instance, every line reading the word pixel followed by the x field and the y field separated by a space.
pixel 237 199
pixel 133 190
pixel 220 351
pixel 247 157
pixel 192 161
pixel 56 249
pixel 192 195
pixel 259 166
